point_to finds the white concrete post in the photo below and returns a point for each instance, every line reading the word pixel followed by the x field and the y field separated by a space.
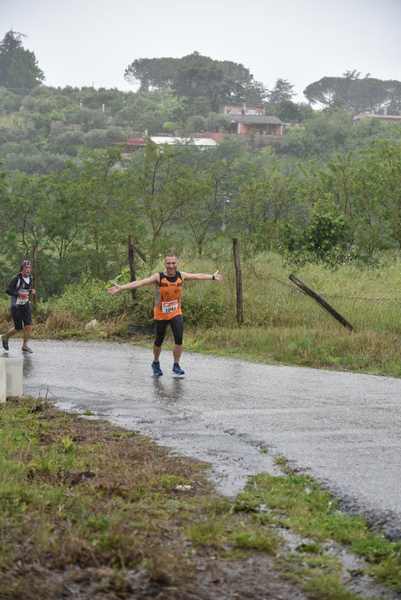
pixel 14 376
pixel 3 381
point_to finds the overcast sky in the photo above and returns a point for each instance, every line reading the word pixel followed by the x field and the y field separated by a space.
pixel 85 42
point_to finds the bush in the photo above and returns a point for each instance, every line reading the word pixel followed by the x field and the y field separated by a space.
pixel 44 162
pixel 117 135
pixel 61 321
pixel 10 148
pixel 89 300
pixel 326 239
pixel 68 137
pixel 217 122
pixel 204 304
pixel 9 102
pixel 12 134
pixel 4 311
pixel 196 123
pixel 89 119
pixel 97 138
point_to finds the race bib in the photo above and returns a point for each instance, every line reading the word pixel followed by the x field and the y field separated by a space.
pixel 169 307
pixel 21 301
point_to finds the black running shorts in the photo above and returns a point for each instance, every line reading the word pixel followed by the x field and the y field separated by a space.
pixel 22 315
pixel 177 327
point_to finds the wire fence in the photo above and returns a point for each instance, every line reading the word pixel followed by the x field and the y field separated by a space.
pixel 376 299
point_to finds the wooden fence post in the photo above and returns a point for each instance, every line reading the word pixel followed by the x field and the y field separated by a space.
pixel 238 282
pixel 35 271
pixel 131 264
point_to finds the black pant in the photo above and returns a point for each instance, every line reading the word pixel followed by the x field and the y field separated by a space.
pixel 177 327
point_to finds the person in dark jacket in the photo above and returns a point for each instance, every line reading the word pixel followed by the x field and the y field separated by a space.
pixel 20 289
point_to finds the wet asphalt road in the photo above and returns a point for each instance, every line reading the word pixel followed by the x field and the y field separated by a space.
pixel 344 428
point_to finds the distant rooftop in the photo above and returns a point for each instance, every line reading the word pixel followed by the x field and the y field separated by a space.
pixel 255 119
pixel 180 141
pixel 173 141
pixel 379 117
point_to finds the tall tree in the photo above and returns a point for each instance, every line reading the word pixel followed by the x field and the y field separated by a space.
pixel 159 187
pixel 353 93
pixel 280 103
pixel 197 77
pixel 23 210
pixel 152 72
pixel 283 91
pixel 19 70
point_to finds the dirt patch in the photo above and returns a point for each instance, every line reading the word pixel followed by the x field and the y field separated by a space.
pixel 252 578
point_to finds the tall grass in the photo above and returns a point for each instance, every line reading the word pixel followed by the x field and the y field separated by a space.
pixel 369 298
pixel 281 324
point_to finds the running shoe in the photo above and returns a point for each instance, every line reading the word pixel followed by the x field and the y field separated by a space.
pixel 4 342
pixel 157 372
pixel 27 349
pixel 177 371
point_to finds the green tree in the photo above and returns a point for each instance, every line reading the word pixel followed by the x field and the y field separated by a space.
pixel 19 70
pixel 265 202
pixel 195 124
pixel 217 122
pixel 355 94
pixel 196 76
pixel 377 197
pixel 23 212
pixel 158 183
pixel 321 135
pixel 206 197
pixel 9 102
pixel 149 111
pixel 104 212
pixel 152 72
pixel 283 91
pixel 280 103
pixel 326 238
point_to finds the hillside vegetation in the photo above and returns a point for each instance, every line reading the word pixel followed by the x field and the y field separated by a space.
pixel 324 203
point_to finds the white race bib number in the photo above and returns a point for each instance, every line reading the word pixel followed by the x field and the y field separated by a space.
pixel 21 301
pixel 169 307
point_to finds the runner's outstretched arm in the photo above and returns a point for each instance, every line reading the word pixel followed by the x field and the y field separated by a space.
pixel 216 276
pixel 153 279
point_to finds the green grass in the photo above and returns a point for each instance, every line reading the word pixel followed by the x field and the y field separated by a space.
pixel 367 352
pixel 281 324
pixel 300 504
pixel 284 326
pixel 369 298
pixel 319 575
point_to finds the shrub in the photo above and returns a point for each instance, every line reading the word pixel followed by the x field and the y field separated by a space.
pixel 61 321
pixel 97 138
pixel 326 239
pixel 88 300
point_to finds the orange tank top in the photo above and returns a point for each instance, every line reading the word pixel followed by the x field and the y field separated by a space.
pixel 168 297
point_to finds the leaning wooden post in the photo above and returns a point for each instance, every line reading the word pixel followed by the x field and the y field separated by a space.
pixel 131 264
pixel 238 282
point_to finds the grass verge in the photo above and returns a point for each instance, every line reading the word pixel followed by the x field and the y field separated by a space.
pixel 299 504
pixel 92 510
pixel 366 352
pixel 88 507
